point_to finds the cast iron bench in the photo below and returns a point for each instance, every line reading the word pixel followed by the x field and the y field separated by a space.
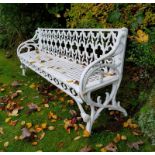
pixel 79 62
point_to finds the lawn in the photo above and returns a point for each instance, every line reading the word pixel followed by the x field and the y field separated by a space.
pixel 52 135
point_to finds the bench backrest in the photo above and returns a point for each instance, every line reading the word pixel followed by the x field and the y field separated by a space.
pixel 82 46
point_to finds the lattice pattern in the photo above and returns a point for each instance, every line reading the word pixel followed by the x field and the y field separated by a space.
pixel 81 46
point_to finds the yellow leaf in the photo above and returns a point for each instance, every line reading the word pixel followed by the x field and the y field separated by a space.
pixel 16 138
pixel 1 131
pixel 53 120
pixel 22 123
pixel 44 125
pixel 7 119
pixel 117 138
pixel 99 145
pixel 28 125
pixel 125 124
pixel 142 37
pixel 86 133
pixel 103 149
pixel 33 85
pixel 123 137
pixel 71 102
pixel 6 144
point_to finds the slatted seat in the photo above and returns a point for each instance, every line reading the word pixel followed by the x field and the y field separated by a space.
pixel 79 61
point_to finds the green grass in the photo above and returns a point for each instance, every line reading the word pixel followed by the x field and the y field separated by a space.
pixel 59 139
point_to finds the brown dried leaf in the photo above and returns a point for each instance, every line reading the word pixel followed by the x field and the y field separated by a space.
pixel 32 107
pixel 15 84
pixel 73 112
pixel 42 136
pixel 111 147
pixel 135 145
pixel 86 149
pixel 25 133
pixel 14 95
pixel 13 123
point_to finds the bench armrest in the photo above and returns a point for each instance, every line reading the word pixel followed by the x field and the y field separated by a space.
pixel 29 45
pixel 98 64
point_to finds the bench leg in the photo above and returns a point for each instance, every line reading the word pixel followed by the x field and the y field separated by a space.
pixel 96 107
pixel 116 105
pixel 23 67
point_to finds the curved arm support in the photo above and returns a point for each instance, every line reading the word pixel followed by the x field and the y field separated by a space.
pixel 122 36
pixel 29 44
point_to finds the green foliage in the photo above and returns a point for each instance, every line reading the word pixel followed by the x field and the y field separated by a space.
pixel 146 117
pixel 140 49
pixel 19 21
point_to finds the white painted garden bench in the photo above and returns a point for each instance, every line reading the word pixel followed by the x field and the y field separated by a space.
pixel 79 62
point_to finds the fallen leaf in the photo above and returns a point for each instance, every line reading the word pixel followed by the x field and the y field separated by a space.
pixel 34 143
pixel 86 149
pixel 77 138
pixel 82 126
pixel 14 95
pixel 38 129
pixel 13 123
pixel 16 138
pixel 6 144
pixel 51 128
pixel 51 115
pixel 136 132
pixel 117 138
pixel 28 125
pixel 13 113
pixel 71 102
pixel 22 123
pixel 25 133
pixel 111 147
pixel 103 150
pixel 33 86
pixel 86 133
pixel 123 137
pixel 99 145
pixel 73 112
pixel 1 131
pixel 46 105
pixel 42 136
pixel 7 119
pixel 32 107
pixel 15 84
pixel 44 125
pixel 135 145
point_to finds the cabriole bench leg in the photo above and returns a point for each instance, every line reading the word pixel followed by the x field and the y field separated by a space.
pixel 23 67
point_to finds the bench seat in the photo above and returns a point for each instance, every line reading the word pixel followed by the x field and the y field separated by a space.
pixel 65 71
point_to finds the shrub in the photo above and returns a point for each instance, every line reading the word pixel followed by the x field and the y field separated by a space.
pixel 138 18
